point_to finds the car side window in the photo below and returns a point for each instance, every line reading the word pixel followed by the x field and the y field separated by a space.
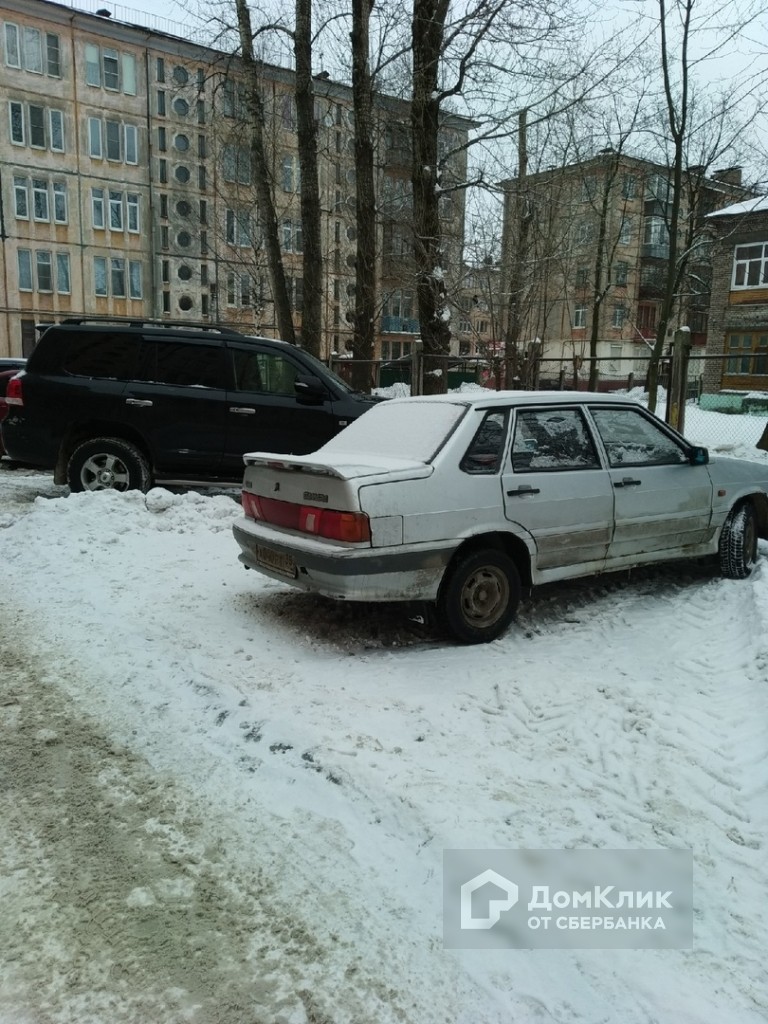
pixel 267 372
pixel 631 439
pixel 104 355
pixel 547 440
pixel 485 453
pixel 183 364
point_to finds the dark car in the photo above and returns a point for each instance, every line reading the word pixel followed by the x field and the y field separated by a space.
pixel 9 367
pixel 110 404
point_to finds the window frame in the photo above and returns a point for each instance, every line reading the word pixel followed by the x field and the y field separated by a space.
pixel 745 262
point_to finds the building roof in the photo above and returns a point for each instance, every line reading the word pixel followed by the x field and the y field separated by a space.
pixel 758 204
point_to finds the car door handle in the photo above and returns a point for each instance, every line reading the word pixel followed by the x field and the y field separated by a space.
pixel 627 481
pixel 143 402
pixel 242 410
pixel 523 489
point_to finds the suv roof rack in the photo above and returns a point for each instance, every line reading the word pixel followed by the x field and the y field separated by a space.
pixel 125 321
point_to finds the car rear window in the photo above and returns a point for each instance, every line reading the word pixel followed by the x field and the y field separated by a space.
pixel 105 355
pixel 399 430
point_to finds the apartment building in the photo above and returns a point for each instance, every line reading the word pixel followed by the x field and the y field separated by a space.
pixel 127 185
pixel 586 251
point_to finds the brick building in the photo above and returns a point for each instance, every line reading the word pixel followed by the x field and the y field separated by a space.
pixel 738 315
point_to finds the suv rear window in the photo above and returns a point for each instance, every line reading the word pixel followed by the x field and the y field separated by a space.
pixel 101 354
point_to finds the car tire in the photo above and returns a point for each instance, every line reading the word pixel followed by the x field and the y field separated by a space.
pixel 479 596
pixel 108 464
pixel 738 542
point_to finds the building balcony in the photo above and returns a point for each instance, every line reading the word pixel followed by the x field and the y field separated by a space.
pixel 399 325
pixel 655 250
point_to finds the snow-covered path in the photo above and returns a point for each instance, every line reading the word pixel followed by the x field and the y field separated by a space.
pixel 226 802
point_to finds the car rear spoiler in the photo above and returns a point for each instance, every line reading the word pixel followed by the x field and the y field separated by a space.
pixel 343 467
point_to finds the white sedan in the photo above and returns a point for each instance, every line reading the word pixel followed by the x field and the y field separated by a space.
pixel 466 500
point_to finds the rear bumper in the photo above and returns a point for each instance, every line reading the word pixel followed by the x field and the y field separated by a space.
pixel 403 573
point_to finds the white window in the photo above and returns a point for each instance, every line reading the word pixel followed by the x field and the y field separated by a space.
pixel 236 164
pixel 44 271
pixel 619 316
pixel 36 126
pixel 94 138
pixel 99 275
pixel 16 118
pixel 291 177
pixel 116 211
pixel 62 273
pixel 60 202
pixel 129 74
pixel 117 276
pixel 56 124
pixel 625 231
pixel 655 231
pixel 132 210
pixel 131 135
pixel 112 135
pixel 134 279
pixel 12 48
pixel 21 198
pixel 110 64
pixel 40 206
pixel 92 65
pixel 750 266
pixel 97 207
pixel 580 316
pixel 52 55
pixel 25 270
pixel 293 240
pixel 33 50
pixel 239 228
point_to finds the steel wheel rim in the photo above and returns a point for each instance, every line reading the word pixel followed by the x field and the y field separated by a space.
pixel 104 472
pixel 485 596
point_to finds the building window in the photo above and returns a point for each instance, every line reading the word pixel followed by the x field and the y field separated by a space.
pixel 646 319
pixel 99 275
pixel 161 102
pixel 108 68
pixel 94 138
pixel 655 232
pixel 131 134
pixel 748 354
pixel 236 164
pixel 588 188
pixel 625 231
pixel 160 70
pixel 293 240
pixel 60 212
pixel 750 266
pixel 134 279
pixel 24 49
pixel 97 208
pixel 658 187
pixel 132 212
pixel 621 273
pixel 40 205
pixel 238 228
pixel 56 127
pixel 580 316
pixel 162 143
pixel 36 126
pixel 116 211
pixel 117 276
pixel 582 274
pixel 290 174
pixel 112 141
pixel 180 106
pixel 629 186
pixel 44 270
pixel 25 270
pixel 63 285
pixel 618 317
pixel 21 198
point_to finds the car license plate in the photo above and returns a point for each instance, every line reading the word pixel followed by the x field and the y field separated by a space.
pixel 276 561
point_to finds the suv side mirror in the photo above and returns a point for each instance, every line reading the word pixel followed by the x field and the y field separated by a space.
pixel 309 389
pixel 698 456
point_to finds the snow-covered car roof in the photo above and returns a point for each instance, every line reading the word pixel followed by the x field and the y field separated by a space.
pixel 497 398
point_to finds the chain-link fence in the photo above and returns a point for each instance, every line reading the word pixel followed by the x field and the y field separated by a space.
pixel 718 412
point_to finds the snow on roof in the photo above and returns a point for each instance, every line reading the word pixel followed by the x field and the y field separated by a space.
pixel 754 205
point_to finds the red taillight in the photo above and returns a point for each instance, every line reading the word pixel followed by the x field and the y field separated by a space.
pixel 13 394
pixel 352 527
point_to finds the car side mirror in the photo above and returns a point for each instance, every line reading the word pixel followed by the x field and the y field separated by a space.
pixel 309 389
pixel 698 456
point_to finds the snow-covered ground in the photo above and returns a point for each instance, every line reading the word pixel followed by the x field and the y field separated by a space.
pixel 225 802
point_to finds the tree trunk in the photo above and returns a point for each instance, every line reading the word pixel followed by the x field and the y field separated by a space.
pixel 312 267
pixel 365 199
pixel 263 176
pixel 427 43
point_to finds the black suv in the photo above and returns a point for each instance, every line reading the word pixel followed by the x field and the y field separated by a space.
pixel 123 404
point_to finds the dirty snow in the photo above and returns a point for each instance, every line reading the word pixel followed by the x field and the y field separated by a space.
pixel 225 801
